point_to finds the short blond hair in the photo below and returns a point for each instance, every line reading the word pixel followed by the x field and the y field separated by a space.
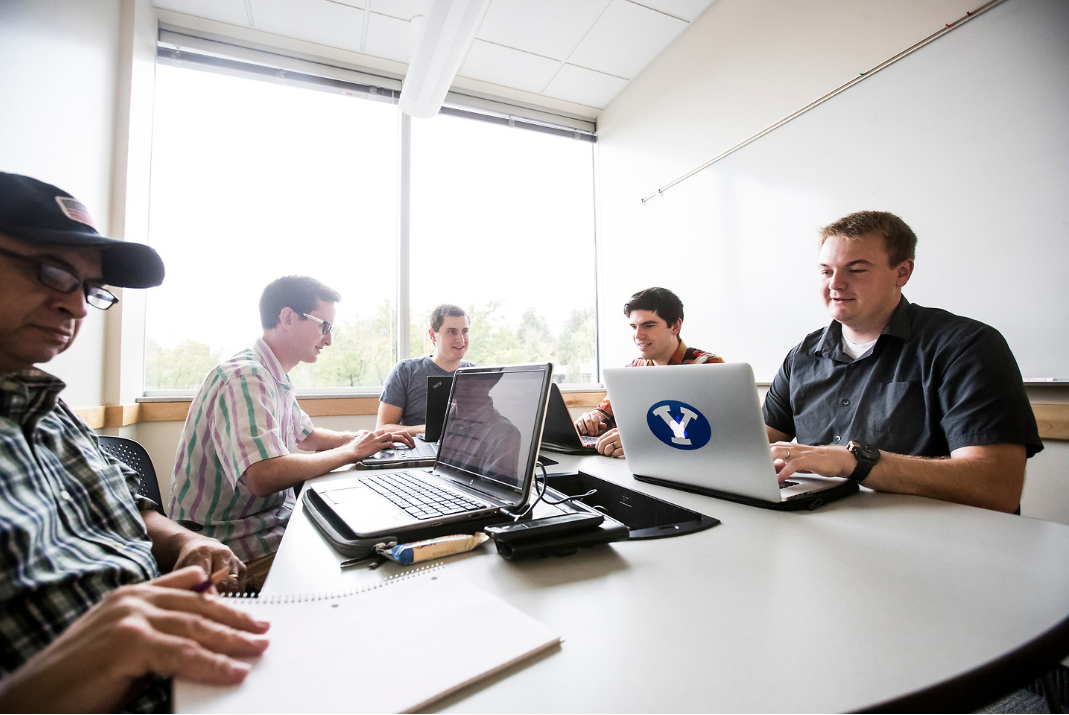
pixel 898 238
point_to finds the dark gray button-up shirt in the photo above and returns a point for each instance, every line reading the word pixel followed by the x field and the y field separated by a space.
pixel 932 383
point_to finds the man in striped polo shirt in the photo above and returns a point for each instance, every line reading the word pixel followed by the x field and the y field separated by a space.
pixel 237 459
pixel 656 317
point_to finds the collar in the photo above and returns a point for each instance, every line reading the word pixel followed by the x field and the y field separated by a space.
pixel 27 395
pixel 899 324
pixel 269 361
pixel 680 354
pixel 831 343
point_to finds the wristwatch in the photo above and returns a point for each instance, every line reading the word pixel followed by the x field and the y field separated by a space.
pixel 866 457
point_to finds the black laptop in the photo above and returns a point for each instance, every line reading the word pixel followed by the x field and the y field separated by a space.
pixel 485 466
pixel 438 387
pixel 561 434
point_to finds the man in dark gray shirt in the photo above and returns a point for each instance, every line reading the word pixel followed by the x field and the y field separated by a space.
pixel 403 404
pixel 904 398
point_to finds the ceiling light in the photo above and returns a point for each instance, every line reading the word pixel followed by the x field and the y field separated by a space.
pixel 445 34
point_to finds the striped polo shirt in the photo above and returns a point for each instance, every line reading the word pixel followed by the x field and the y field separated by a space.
pixel 246 411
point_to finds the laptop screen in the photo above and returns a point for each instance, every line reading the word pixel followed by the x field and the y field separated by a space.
pixel 493 423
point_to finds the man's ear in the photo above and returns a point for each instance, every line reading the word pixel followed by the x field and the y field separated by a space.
pixel 434 336
pixel 677 326
pixel 904 272
pixel 287 317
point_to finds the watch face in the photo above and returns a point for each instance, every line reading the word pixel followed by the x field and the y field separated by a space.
pixel 866 457
pixel 864 452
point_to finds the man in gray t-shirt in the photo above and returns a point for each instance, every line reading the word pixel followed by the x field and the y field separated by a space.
pixel 403 405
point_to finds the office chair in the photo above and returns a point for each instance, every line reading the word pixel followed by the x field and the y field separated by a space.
pixel 131 453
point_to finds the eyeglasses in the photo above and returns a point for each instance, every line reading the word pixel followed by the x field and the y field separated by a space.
pixel 326 325
pixel 60 279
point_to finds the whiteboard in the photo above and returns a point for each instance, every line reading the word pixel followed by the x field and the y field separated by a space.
pixel 967 139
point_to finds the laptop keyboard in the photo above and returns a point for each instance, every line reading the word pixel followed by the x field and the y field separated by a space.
pixel 420 498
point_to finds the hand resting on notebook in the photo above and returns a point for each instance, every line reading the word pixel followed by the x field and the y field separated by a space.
pixel 160 627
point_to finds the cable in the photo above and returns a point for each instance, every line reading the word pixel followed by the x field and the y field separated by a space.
pixel 542 494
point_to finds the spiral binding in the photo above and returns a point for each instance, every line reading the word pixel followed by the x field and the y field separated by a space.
pixel 283 598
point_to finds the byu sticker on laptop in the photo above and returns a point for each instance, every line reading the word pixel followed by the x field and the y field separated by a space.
pixel 679 425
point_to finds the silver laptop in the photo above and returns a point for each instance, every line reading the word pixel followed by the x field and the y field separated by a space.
pixel 700 428
pixel 485 465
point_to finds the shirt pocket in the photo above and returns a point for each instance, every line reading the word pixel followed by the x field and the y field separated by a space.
pixel 896 408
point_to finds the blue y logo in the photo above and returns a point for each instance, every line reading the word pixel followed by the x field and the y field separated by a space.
pixel 679 425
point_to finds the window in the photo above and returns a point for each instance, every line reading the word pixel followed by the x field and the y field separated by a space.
pixel 255 177
pixel 503 225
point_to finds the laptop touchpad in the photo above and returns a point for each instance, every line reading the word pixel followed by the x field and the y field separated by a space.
pixel 340 496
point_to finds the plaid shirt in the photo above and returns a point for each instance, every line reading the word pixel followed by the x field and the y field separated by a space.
pixel 682 356
pixel 70 527
pixel 246 411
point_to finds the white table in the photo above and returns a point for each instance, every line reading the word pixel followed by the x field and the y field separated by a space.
pixel 862 601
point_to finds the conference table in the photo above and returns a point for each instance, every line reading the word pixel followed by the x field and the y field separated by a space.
pixel 849 607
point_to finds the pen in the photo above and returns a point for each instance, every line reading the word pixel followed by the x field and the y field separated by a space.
pixel 211 580
pixel 353 562
pixel 376 560
pixel 375 551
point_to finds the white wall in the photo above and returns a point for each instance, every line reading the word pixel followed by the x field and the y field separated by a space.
pixel 58 78
pixel 744 65
pixel 741 67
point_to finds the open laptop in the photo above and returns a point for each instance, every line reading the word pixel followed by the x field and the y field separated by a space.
pixel 438 387
pixel 560 434
pixel 699 428
pixel 425 448
pixel 485 465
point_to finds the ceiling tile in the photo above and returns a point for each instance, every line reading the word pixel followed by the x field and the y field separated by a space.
pixel 688 10
pixel 551 28
pixel 390 38
pixel 401 9
pixel 319 21
pixel 625 39
pixel 508 67
pixel 583 86
pixel 229 11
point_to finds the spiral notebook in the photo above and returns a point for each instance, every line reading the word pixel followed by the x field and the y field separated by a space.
pixel 387 648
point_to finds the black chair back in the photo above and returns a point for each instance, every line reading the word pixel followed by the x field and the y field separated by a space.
pixel 134 455
pixel 131 453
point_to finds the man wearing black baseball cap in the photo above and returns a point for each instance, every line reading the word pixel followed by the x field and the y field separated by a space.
pixel 88 622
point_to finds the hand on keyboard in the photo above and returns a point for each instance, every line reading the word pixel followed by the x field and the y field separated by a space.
pixel 366 444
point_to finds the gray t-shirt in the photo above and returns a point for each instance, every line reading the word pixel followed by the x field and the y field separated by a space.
pixel 406 387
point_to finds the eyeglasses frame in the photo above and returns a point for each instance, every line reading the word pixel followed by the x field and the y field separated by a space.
pixel 91 292
pixel 325 325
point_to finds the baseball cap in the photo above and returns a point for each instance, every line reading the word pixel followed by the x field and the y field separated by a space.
pixel 39 213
